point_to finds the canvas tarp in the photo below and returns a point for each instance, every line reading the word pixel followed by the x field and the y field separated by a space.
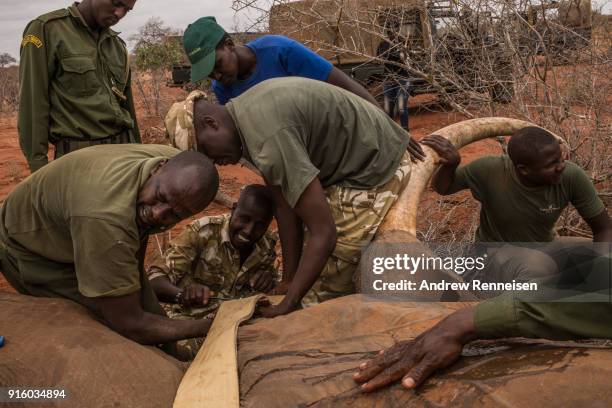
pixel 305 359
pixel 56 343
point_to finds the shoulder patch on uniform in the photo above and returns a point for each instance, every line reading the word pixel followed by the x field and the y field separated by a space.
pixel 54 15
pixel 31 39
pixel 214 219
pixel 207 220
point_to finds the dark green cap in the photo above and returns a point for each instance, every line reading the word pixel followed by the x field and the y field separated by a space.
pixel 200 40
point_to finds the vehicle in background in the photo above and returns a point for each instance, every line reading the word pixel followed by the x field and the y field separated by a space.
pixel 349 33
pixel 558 28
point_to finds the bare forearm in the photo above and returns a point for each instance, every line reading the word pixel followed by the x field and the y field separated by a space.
pixel 601 226
pixel 154 329
pixel 362 92
pixel 443 179
pixel 292 250
pixel 340 79
pixel 291 232
pixel 165 290
pixel 317 252
pixel 415 360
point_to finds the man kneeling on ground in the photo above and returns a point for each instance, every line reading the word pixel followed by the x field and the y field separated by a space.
pixel 522 196
pixel 334 162
pixel 218 258
pixel 222 257
pixel 78 229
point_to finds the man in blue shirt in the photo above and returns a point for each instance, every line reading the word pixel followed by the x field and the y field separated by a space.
pixel 236 68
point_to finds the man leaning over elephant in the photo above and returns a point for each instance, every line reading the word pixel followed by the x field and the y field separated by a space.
pixel 78 229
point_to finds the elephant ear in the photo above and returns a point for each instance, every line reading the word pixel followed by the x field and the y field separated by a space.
pixel 401 221
pixel 56 343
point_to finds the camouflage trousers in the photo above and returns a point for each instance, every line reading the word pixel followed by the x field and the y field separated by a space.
pixel 67 145
pixel 188 348
pixel 358 214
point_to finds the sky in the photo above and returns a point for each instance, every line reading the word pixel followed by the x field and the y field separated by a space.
pixel 15 15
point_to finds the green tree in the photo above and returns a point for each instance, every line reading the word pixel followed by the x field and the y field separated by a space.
pixel 9 83
pixel 155 52
pixel 6 59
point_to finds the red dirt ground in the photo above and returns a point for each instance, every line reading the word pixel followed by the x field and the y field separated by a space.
pixel 13 167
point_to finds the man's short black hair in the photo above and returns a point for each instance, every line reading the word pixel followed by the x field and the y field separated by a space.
pixel 260 195
pixel 527 143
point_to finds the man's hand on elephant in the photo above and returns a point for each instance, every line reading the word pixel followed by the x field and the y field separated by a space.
pixel 415 360
pixel 268 310
pixel 449 155
pixel 281 288
pixel 195 295
pixel 415 151
pixel 262 281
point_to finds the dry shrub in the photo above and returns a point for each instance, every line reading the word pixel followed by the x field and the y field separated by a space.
pixel 9 89
pixel 155 135
pixel 550 66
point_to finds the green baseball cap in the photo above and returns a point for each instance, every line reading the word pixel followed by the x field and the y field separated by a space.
pixel 200 41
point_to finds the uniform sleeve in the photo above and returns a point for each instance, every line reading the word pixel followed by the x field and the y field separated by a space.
pixel 284 162
pixel 576 317
pixel 220 94
pixel 105 258
pixel 506 316
pixel 584 196
pixel 473 176
pixel 299 60
pixel 178 259
pixel 34 76
pixel 130 108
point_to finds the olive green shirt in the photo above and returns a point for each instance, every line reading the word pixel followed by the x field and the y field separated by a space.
pixel 204 254
pixel 570 318
pixel 74 83
pixel 81 210
pixel 295 129
pixel 512 212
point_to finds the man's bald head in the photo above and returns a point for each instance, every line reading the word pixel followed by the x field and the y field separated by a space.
pixel 198 173
pixel 177 188
pixel 216 133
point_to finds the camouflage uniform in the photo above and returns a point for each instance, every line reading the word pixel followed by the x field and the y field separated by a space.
pixel 179 121
pixel 203 254
pixel 358 214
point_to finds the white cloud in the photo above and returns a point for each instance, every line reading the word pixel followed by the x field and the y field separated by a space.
pixel 14 16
